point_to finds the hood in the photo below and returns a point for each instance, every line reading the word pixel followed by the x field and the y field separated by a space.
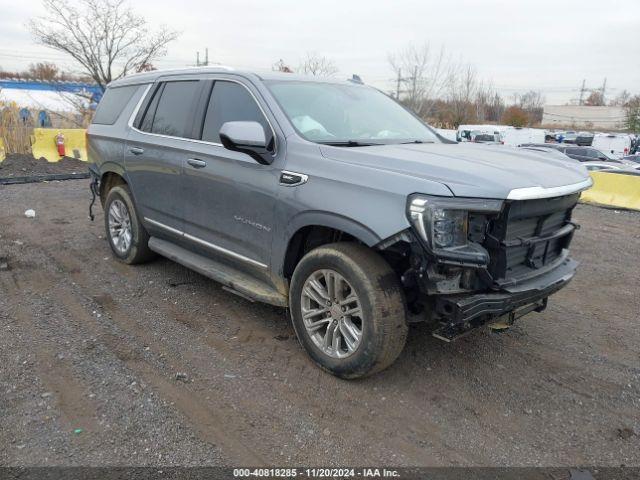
pixel 467 169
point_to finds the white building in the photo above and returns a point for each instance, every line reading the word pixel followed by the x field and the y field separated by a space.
pixel 584 117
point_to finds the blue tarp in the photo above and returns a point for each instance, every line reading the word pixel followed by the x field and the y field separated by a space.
pixel 72 87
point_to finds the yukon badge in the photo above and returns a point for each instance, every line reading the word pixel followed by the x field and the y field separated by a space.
pixel 251 223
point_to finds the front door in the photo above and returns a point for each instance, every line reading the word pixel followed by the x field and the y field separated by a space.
pixel 229 197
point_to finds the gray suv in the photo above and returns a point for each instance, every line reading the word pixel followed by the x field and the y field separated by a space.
pixel 331 199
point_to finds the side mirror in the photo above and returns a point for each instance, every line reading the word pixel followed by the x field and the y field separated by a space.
pixel 247 137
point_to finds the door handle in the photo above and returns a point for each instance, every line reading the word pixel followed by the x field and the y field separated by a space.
pixel 197 163
pixel 136 150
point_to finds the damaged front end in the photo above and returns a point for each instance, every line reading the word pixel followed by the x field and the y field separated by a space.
pixel 465 262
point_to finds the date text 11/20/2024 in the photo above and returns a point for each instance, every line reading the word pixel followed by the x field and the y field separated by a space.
pixel 316 472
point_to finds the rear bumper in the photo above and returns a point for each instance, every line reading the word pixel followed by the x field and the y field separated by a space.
pixel 462 312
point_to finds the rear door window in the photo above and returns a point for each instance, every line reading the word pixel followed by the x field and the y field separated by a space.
pixel 174 111
pixel 229 102
pixel 113 102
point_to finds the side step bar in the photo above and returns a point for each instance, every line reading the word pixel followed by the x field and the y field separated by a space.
pixel 236 282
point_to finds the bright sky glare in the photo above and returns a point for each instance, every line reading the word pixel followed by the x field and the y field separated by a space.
pixel 543 45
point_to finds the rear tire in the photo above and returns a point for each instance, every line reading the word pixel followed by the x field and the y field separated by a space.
pixel 348 310
pixel 127 236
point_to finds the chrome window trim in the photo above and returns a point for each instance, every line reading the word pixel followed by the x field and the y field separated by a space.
pixel 531 193
pixel 204 243
pixel 194 140
pixel 132 117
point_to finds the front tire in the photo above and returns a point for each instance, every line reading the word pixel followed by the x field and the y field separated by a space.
pixel 348 310
pixel 126 234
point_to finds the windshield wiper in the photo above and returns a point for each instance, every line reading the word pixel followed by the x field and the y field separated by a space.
pixel 415 141
pixel 349 143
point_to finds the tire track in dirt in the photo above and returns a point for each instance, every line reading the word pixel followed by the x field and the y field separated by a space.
pixel 291 362
pixel 56 374
pixel 213 422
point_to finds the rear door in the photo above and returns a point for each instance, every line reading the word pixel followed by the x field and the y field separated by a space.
pixel 231 198
pixel 157 147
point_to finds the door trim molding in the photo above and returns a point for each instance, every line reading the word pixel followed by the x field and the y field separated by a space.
pixel 204 243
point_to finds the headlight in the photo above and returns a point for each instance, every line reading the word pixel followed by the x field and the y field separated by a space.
pixel 443 222
pixel 440 227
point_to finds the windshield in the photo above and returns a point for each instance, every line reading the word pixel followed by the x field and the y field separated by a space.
pixel 347 114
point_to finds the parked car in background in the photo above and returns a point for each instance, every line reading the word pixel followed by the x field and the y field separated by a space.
pixel 515 136
pixel 616 144
pixel 464 131
pixel 583 154
pixel 610 166
pixel 484 137
pixel 549 152
pixel 635 158
pixel 550 136
pixel 359 227
pixel 567 137
pixel 597 166
pixel 584 139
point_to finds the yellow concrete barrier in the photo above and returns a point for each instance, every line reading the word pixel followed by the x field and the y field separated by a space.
pixel 2 153
pixel 44 143
pixel 614 190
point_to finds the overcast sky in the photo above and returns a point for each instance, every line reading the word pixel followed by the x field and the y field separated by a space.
pixel 519 45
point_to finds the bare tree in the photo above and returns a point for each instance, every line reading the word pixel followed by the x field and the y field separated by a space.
pixel 461 94
pixel 317 65
pixel 632 114
pixel 532 102
pixel 422 76
pixel 595 99
pixel 104 36
pixel 622 99
pixel 489 103
pixel 46 71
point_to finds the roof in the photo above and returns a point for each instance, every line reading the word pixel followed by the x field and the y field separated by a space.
pixel 149 77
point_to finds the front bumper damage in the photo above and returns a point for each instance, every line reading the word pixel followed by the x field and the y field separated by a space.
pixel 460 313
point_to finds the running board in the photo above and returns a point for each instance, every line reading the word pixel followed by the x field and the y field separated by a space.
pixel 237 282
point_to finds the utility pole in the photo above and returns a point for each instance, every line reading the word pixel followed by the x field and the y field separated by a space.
pixel 604 86
pixel 206 58
pixel 414 80
pixel 581 92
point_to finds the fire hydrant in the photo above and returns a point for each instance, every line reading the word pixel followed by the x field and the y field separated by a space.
pixel 60 144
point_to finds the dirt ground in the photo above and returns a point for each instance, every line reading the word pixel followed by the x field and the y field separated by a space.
pixel 107 364
pixel 19 165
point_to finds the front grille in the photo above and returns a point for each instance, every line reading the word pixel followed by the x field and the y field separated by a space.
pixel 528 235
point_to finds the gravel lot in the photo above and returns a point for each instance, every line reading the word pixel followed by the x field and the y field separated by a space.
pixel 106 364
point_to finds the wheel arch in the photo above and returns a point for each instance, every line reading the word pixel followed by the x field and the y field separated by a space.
pixel 314 229
pixel 111 174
